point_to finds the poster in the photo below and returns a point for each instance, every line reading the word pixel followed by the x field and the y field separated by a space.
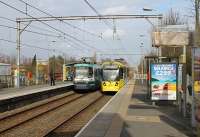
pixel 163 81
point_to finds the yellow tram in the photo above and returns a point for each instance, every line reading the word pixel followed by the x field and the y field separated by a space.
pixel 114 75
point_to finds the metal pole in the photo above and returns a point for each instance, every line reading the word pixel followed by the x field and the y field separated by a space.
pixel 142 62
pixel 37 73
pixel 54 60
pixel 48 64
pixel 160 54
pixel 18 54
pixel 54 64
pixel 184 75
pixel 197 40
pixel 157 51
pixel 193 121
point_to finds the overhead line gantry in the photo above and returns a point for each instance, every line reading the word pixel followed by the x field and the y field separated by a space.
pixel 45 19
pixel 101 17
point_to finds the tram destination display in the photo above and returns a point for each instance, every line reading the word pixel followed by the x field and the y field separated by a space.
pixel 163 81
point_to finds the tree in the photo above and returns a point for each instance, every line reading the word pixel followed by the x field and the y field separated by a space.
pixel 195 13
pixel 172 18
pixel 197 27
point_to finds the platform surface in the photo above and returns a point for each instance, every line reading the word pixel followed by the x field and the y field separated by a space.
pixel 130 114
pixel 17 92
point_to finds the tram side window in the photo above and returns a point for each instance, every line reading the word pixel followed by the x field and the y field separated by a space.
pixel 100 74
pixel 121 73
pixel 90 72
pixel 124 73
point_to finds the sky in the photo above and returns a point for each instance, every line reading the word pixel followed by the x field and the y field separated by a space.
pixel 132 37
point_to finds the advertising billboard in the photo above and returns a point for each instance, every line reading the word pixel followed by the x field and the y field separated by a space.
pixel 168 38
pixel 163 81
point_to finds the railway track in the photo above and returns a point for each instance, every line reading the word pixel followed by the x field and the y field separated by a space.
pixel 43 117
pixel 70 127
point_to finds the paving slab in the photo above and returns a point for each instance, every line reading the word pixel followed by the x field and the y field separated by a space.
pixel 130 114
pixel 146 120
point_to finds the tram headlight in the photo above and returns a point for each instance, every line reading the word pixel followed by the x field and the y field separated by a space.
pixel 104 83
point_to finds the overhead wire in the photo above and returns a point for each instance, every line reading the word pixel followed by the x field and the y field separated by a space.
pixel 69 24
pixel 30 46
pixel 77 44
pixel 24 44
pixel 39 33
pixel 33 26
pixel 108 25
pixel 66 34
pixel 90 5
pixel 72 45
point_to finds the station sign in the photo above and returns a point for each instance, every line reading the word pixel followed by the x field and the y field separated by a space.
pixel 163 81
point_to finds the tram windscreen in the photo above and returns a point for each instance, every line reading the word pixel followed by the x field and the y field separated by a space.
pixel 110 74
pixel 83 72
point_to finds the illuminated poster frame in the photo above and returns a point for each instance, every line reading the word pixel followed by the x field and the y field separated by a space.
pixel 164 81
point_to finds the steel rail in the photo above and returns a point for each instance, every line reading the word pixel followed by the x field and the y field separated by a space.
pixel 42 105
pixel 83 109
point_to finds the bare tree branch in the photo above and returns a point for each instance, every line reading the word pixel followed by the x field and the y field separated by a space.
pixel 173 18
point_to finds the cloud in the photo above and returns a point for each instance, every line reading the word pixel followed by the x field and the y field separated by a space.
pixel 116 10
pixel 109 33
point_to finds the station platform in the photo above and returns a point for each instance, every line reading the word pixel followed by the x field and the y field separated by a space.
pixel 12 98
pixel 9 93
pixel 130 114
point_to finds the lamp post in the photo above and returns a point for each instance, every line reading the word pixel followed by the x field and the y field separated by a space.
pixel 159 49
pixel 51 69
pixel 18 54
pixel 141 48
pixel 54 61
